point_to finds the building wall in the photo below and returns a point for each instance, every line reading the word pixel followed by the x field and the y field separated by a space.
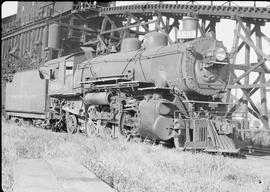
pixel 26 43
pixel 26 39
pixel 28 11
pixel 62 6
pixel 8 20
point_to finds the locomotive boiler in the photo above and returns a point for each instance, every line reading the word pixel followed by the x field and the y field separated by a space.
pixel 196 68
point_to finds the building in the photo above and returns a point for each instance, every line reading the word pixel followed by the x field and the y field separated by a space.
pixel 41 31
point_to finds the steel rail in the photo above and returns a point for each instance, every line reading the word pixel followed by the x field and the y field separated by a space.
pixel 210 11
pixel 253 149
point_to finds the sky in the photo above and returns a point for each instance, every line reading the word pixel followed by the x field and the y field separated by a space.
pixel 224 30
pixel 8 8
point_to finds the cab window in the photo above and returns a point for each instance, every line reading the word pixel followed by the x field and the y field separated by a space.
pixel 69 68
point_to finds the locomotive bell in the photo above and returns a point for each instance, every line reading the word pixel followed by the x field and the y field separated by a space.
pixel 113 50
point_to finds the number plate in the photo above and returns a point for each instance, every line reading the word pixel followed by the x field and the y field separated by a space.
pixel 187 34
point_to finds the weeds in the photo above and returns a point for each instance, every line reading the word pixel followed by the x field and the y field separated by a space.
pixel 130 166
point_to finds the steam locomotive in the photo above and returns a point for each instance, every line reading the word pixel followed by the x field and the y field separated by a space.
pixel 151 90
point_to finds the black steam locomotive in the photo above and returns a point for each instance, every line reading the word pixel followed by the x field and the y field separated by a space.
pixel 152 90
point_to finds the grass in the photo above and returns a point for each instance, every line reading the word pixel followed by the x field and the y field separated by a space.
pixel 130 166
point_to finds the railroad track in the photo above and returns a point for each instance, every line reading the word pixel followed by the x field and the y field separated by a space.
pixel 256 151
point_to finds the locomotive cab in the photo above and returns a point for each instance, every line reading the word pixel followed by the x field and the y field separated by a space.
pixel 61 71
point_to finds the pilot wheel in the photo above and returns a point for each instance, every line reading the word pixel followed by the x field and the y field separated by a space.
pixel 180 139
pixel 72 124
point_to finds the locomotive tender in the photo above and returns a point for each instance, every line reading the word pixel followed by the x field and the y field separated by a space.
pixel 150 90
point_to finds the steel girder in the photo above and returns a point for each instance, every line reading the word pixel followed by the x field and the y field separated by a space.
pixel 207 11
pixel 260 83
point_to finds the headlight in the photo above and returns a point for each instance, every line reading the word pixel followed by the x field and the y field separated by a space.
pixel 220 54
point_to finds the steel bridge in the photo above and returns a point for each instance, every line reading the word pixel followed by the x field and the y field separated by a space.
pixel 97 26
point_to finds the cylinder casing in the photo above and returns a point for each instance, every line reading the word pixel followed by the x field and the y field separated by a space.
pixel 153 122
pixel 99 98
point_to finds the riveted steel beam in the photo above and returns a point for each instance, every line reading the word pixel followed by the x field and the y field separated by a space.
pixel 261 57
pixel 251 44
pixel 242 43
pixel 232 60
pixel 209 11
pixel 250 91
pixel 138 21
pixel 246 80
pixel 243 67
pixel 262 80
pixel 247 95
pixel 249 70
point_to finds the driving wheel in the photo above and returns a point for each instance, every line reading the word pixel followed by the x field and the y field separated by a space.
pixel 127 127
